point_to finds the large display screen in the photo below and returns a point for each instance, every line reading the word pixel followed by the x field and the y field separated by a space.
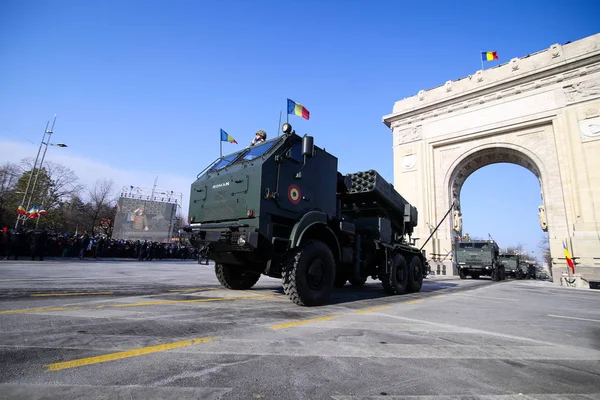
pixel 138 219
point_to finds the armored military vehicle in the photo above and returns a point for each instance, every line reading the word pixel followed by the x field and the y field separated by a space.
pixel 514 265
pixel 282 209
pixel 479 258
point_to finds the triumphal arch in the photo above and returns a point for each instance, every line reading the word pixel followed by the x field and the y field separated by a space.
pixel 542 112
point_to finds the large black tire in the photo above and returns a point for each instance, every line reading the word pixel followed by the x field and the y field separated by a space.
pixel 495 274
pixel 415 275
pixel 233 278
pixel 309 274
pixel 474 276
pixel 358 282
pixel 396 281
pixel 340 278
pixel 462 274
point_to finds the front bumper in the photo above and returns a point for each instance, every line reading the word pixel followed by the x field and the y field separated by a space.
pixel 475 268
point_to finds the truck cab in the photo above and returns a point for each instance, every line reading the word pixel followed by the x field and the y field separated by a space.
pixel 479 258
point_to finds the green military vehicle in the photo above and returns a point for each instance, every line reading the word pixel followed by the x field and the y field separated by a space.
pixel 479 258
pixel 282 209
pixel 514 265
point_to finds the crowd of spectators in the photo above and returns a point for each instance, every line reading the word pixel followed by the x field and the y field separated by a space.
pixel 39 243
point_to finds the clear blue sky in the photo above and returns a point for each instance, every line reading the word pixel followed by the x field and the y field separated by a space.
pixel 146 85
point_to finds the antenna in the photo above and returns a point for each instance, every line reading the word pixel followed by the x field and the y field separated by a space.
pixel 154 187
pixel 279 123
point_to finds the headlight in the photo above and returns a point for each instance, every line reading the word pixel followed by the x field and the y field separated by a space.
pixel 241 241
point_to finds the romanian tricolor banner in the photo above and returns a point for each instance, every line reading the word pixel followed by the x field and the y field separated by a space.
pixel 43 212
pixel 297 109
pixel 569 259
pixel 33 212
pixel 226 137
pixel 488 55
pixel 21 210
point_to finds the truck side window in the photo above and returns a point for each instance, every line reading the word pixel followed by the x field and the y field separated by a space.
pixel 296 153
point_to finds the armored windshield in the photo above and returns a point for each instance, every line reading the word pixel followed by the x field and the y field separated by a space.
pixel 468 245
pixel 223 162
pixel 256 151
pixel 248 154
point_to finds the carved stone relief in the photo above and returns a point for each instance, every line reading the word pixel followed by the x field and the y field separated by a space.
pixel 582 90
pixel 408 135
pixel 409 161
pixel 590 128
pixel 542 218
pixel 457 221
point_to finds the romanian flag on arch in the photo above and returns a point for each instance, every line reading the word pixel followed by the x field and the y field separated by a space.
pixel 569 259
pixel 489 55
pixel 297 109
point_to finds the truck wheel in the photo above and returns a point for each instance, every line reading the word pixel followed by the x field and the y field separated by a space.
pixel 340 278
pixel 462 274
pixel 474 276
pixel 235 279
pixel 415 275
pixel 395 282
pixel 309 274
pixel 495 274
pixel 358 282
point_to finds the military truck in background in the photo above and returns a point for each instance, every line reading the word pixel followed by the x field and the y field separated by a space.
pixel 514 265
pixel 479 258
pixel 531 271
pixel 282 209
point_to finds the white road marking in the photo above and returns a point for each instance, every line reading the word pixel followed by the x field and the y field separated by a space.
pixel 577 318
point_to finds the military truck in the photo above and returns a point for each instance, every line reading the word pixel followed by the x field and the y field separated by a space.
pixel 282 209
pixel 514 265
pixel 479 258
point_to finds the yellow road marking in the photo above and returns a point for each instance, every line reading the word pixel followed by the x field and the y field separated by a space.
pixel 161 302
pixel 366 310
pixel 68 294
pixel 439 296
pixel 141 304
pixel 31 310
pixel 303 322
pixel 125 354
pixel 193 290
pixel 413 301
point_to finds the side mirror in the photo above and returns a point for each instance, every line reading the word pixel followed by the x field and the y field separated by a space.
pixel 308 146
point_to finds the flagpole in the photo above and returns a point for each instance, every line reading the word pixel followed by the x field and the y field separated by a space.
pixel 481 59
pixel 220 147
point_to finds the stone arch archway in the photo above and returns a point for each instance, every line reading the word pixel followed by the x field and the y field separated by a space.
pixel 481 156
pixel 541 112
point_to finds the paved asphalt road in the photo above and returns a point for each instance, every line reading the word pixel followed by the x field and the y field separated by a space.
pixel 166 330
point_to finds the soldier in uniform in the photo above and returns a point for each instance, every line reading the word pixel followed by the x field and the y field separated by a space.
pixel 260 137
pixel 38 244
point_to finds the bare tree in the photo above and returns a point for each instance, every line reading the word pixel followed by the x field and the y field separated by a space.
pixel 544 247
pixel 65 182
pixel 9 176
pixel 518 249
pixel 101 206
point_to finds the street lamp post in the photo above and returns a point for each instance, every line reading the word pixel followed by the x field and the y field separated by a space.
pixel 37 169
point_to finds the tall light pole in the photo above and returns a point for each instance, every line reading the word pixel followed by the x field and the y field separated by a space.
pixel 37 169
pixel 41 162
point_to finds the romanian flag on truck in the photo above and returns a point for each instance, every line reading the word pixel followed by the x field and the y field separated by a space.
pixel 297 109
